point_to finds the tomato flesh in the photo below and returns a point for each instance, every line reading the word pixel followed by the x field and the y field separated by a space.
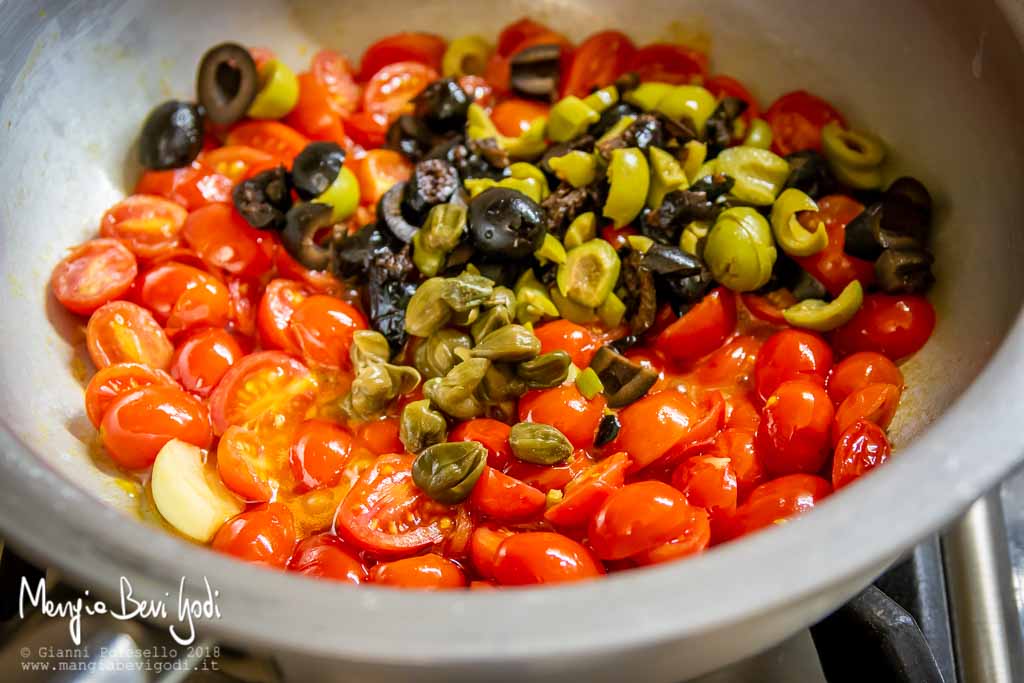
pixel 93 274
pixel 325 556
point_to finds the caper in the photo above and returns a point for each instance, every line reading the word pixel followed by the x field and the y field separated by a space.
pixel 447 472
pixel 368 346
pixel 512 343
pixel 427 310
pixel 421 426
pixel 454 393
pixel 435 357
pixel 491 320
pixel 500 383
pixel 501 296
pixel 539 444
pixel 465 318
pixel 546 370
pixel 466 291
pixel 371 391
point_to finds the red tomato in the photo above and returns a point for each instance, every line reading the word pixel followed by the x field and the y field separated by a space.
pixel 110 383
pixel 588 491
pixel 597 62
pixel 505 499
pixel 860 370
pixel 637 518
pixel 423 572
pixel 740 413
pixel 321 281
pixel 550 477
pixel 192 186
pixel 565 409
pixel 791 354
pixel 261 55
pixel 617 237
pixel 861 448
pixel 319 453
pixel 513 35
pixel 264 536
pixel 257 383
pixel 483 549
pixel 381 436
pixel 667 63
pixel 386 514
pixel 722 86
pixel 479 89
pixel 730 365
pixel 536 557
pixel 875 403
pixel 238 162
pixel 708 482
pixel 245 466
pixel 739 447
pixel 796 119
pixel 146 224
pixel 425 48
pixel 367 129
pixel 138 424
pixel 702 329
pixel 769 307
pixel 335 74
pixel 514 116
pixel 223 239
pixel 393 87
pixel 896 326
pixel 493 434
pixel 832 266
pixel 497 72
pixel 323 326
pixel 183 297
pixel 326 556
pixel 314 114
pixel 122 332
pixel 280 299
pixel 200 361
pixel 243 295
pixel 656 424
pixel 276 139
pixel 561 335
pixel 772 503
pixel 794 432
pixel 93 274
pixel 695 537
pixel 378 172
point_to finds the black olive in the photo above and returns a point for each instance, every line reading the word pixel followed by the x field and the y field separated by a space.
pixel 316 167
pixel 505 224
pixel 172 136
pixel 504 273
pixel 913 191
pixel 713 186
pixel 302 223
pixel 611 116
pixel 433 182
pixel 533 72
pixel 718 129
pixel 584 143
pixel 607 429
pixel 904 271
pixel 809 173
pixel 807 286
pixel 645 132
pixel 443 105
pixel 907 208
pixel 227 82
pixel 624 381
pixel 867 235
pixel 264 199
pixel 410 136
pixel 626 82
pixel 678 208
pixel 389 211
pixel 469 163
pixel 664 260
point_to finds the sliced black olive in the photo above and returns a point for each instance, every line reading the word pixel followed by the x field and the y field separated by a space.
pixel 646 131
pixel 611 116
pixel 718 129
pixel 564 204
pixel 683 292
pixel 624 381
pixel 533 72
pixel 264 199
pixel 469 163
pixel 316 167
pixel 227 82
pixel 907 208
pixel 867 235
pixel 680 278
pixel 607 430
pixel 172 136
pixel 627 81
pixel 302 224
pixel 389 210
pixel 904 271
pixel 911 190
pixel 808 287
pixel 663 260
pixel 410 136
pixel 443 105
pixel 640 292
pixel 678 208
pixel 391 283
pixel 714 186
pixel 809 173
pixel 433 182
pixel 505 224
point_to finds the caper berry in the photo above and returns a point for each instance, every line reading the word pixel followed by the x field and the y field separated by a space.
pixel 421 426
pixel 539 444
pixel 546 370
pixel 447 472
pixel 436 356
pixel 512 343
pixel 427 311
pixel 455 392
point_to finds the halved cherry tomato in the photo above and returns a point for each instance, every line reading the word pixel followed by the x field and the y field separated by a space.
pixel 192 186
pixel 378 171
pixel 479 89
pixel 381 436
pixel 702 329
pixel 122 332
pixel 138 424
pixel 536 557
pixel 110 383
pixel 423 572
pixel 617 237
pixel 263 536
pixel 326 556
pixel 791 354
pixel 323 326
pixel 862 447
pixel 722 86
pixel 391 89
pixel 550 477
pixel 335 73
pixel 238 162
pixel 245 466
pixel 387 515
pixel 257 383
pixel 513 35
pixel 656 424
pixel 694 538
pixel 319 454
pixel 772 503
pixel 200 361
pixel 896 326
pixel 497 73
pixel 243 293
pixel 367 129
pixel 711 408
pixel 182 297
pixel 795 425
pixel 493 434
pixel 505 499
pixel 314 115
pixel 146 224
pixel 597 62
pixel 224 239
pixel 280 299
pixel 425 48
pixel 796 119
pixel 94 273
pixel 875 403
pixel 276 139
pixel 708 482
pixel 667 63
pixel 637 518
pixel 565 409
pixel 740 413
pixel 769 307
pixel 858 371
pixel 730 365
pixel 739 447
pixel 483 548
pixel 514 116
pixel 322 281
pixel 588 491
pixel 832 266
pixel 562 335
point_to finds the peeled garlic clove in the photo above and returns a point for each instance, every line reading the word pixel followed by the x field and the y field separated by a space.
pixel 188 491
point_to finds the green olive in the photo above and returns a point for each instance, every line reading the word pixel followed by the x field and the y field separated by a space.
pixel 490 320
pixel 851 149
pixel 815 314
pixel 792 236
pixel 550 250
pixel 427 311
pixel 500 383
pixel 421 426
pixel 455 392
pixel 464 56
pixel 693 236
pixel 758 135
pixel 858 178
pixel 691 101
pixel 759 174
pixel 447 472
pixel 696 154
pixel 512 343
pixel 646 96
pixel 599 100
pixel 572 311
pixel 278 93
pixel 342 195
pixel 546 370
pixel 740 251
pixel 589 273
pixel 629 178
pixel 577 168
pixel 444 227
pixel 539 444
pixel 368 346
pixel 582 229
pixel 532 300
pixel 616 130
pixel 435 357
pixel 524 171
pixel 528 145
pixel 466 291
pixel 569 118
pixel 666 175
pixel 611 311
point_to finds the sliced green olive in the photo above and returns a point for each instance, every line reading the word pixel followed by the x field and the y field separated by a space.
pixel 696 154
pixel 342 195
pixel 666 176
pixel 577 168
pixel 539 444
pixel 589 384
pixel 815 314
pixel 623 380
pixel 599 100
pixel 792 236
pixel 445 226
pixel 528 145
pixel 739 250
pixel 691 101
pixel 589 273
pixel 646 96
pixel 858 178
pixel 640 243
pixel 572 311
pixel 532 300
pixel 464 56
pixel 550 250
pixel 522 170
pixel 512 343
pixel 436 356
pixel 368 346
pixel 427 311
pixel 466 291
pixel 582 229
pixel 612 311
pixel 421 426
pixel 447 472
pixel 454 393
pixel 692 238
pixel 759 174
pixel 616 130
pixel 851 148
pixel 629 178
pixel 278 92
pixel 569 118
pixel 759 134
pixel 546 370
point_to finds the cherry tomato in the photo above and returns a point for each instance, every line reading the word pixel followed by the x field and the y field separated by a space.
pixel 326 556
pixel 223 239
pixel 505 499
pixel 597 62
pixel 550 477
pixel 702 329
pixel 588 491
pixel 112 382
pixel 200 361
pixel 536 557
pixel 513 35
pixel 791 354
pixel 730 365
pixel 796 119
pixel 861 448
pixel 263 536
pixel 561 335
pixel 238 162
pixel 657 423
pixel 858 371
pixel 708 482
pixel 94 273
pixel 740 413
pixel 245 466
pixel 479 89
pixel 694 538
pixel 183 297
pixel 722 86
pixel 636 518
pixel 514 116
pixel 769 307
pixel 314 114
pixel 772 503
pixel 895 326
pixel 423 572
pixel 381 436
pixel 667 63
pixel 122 332
pixel 193 186
pixel 832 266
pixel 378 172
pixel 875 403
pixel 280 299
pixel 564 408
pixel 321 281
pixel 497 73
pixel 794 432
pixel 483 548
pixel 391 89
pixel 425 48
pixel 367 129
pixel 335 73
pixel 256 384
pixel 711 414
pixel 319 454
pixel 276 139
pixel 617 237
pixel 387 515
pixel 138 424
pixel 323 326
pixel 244 295
pixel 146 224
pixel 493 434
pixel 740 448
